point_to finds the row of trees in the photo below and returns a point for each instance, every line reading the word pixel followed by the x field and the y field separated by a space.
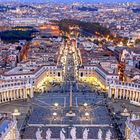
pixel 90 29
pixel 16 35
pixel 86 28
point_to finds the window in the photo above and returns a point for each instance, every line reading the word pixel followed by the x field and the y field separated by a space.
pixel 58 74
pixel 81 74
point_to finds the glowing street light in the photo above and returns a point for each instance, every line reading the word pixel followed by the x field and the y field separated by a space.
pixel 55 114
pixel 56 104
pixel 86 115
pixel 85 104
pixel 16 113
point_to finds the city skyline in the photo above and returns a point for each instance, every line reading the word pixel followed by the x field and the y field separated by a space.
pixel 72 1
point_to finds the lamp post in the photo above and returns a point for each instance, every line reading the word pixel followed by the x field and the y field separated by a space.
pixel 86 115
pixel 54 115
pixel 85 104
pixel 16 112
pixel 56 105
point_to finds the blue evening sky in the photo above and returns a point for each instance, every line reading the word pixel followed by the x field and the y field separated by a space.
pixel 67 1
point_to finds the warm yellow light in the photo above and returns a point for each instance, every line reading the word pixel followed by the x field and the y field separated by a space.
pixel 54 114
pixel 56 104
pixel 85 104
pixel 86 114
pixel 93 80
pixel 16 112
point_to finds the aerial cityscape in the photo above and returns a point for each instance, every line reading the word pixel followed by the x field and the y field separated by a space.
pixel 69 70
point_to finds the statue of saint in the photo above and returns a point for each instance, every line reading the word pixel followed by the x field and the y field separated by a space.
pixel 85 134
pixel 38 134
pixel 62 134
pixel 73 133
pixel 17 135
pixel 100 134
pixel 108 135
pixel 48 134
pixel 133 117
pixel 132 136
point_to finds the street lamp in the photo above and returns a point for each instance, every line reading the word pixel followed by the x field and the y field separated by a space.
pixel 56 104
pixel 16 112
pixel 85 104
pixel 86 115
pixel 54 115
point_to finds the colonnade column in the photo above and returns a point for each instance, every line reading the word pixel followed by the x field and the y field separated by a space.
pixel 116 93
pixel 127 94
pixel 110 92
pixel 121 93
pixel 134 96
pixel 124 94
pixel 139 97
pixel 25 93
pixel 31 92
pixel 131 95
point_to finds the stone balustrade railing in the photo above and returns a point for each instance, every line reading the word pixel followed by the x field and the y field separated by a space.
pixel 124 84
pixel 14 85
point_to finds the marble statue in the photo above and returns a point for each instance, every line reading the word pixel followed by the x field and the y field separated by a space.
pixel 85 134
pixel 132 136
pixel 108 135
pixel 62 134
pixel 100 134
pixel 48 134
pixel 38 134
pixel 73 133
pixel 17 135
pixel 133 117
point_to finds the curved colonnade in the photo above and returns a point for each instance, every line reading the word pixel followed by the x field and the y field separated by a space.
pixel 15 90
pixel 128 91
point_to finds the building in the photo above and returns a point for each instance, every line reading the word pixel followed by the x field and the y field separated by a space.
pixel 98 74
pixel 27 21
pixel 128 91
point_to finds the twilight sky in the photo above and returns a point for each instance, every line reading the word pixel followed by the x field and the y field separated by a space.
pixel 67 1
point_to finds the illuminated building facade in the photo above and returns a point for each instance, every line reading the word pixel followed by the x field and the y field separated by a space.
pixel 128 91
pixel 98 75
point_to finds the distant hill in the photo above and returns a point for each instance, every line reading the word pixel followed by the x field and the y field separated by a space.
pixel 71 1
pixel 16 35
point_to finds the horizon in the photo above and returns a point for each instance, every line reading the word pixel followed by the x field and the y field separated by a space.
pixel 72 1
